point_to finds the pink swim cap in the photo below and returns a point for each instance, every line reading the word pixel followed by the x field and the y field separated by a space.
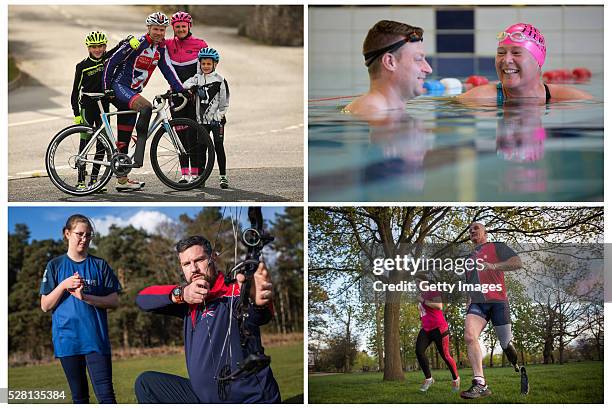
pixel 533 40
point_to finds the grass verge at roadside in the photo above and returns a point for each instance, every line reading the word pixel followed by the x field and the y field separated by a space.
pixel 13 71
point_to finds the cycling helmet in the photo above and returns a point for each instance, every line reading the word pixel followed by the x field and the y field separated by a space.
pixel 157 19
pixel 96 38
pixel 209 53
pixel 181 16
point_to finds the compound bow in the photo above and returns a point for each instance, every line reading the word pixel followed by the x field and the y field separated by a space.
pixel 254 238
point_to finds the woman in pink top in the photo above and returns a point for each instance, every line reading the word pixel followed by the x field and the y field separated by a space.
pixel 434 328
pixel 183 51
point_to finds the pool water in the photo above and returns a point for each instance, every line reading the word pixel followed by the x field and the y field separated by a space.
pixel 441 150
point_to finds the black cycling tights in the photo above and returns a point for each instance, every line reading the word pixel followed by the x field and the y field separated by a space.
pixel 218 134
pixel 441 340
pixel 125 126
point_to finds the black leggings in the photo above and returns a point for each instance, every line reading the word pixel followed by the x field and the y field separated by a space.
pixel 441 340
pixel 218 134
pixel 90 112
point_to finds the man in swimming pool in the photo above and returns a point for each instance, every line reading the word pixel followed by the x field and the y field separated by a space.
pixel 395 58
pixel 521 51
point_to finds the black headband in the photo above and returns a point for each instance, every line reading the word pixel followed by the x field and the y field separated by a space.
pixel 371 56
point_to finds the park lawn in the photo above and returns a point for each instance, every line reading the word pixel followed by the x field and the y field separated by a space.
pixel 13 71
pixel 568 383
pixel 287 365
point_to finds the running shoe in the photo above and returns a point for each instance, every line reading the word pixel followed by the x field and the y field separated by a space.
pixel 426 384
pixel 456 385
pixel 93 181
pixel 476 391
pixel 81 186
pixel 184 179
pixel 524 381
pixel 126 185
pixel 223 183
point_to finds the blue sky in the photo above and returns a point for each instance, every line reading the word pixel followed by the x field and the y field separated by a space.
pixel 47 222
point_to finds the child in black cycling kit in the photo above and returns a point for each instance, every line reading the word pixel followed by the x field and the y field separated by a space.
pixel 88 78
pixel 213 91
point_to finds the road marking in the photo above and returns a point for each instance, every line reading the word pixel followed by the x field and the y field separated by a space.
pixel 37 121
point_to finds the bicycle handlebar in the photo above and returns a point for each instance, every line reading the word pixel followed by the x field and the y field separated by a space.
pixel 166 97
pixel 159 102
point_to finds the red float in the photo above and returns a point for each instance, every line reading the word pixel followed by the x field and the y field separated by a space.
pixel 581 73
pixel 476 80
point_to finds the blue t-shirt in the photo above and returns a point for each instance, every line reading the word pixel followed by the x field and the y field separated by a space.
pixel 80 328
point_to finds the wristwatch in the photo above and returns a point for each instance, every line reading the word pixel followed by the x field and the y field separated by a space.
pixel 177 293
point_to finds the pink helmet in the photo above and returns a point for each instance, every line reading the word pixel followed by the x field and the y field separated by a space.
pixel 181 16
pixel 526 36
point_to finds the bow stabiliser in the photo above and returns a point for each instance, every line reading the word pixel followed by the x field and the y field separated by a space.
pixel 254 238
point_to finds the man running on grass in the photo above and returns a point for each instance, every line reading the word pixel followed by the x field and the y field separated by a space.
pixel 492 306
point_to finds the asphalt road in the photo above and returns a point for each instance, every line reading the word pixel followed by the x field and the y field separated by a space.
pixel 265 131
pixel 280 185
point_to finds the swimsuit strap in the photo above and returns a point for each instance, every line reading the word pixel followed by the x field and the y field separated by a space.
pixel 547 93
pixel 500 94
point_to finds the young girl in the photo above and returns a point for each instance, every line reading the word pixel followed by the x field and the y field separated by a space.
pixel 434 328
pixel 78 288
pixel 213 93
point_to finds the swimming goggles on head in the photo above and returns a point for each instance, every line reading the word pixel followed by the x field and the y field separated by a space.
pixel 516 36
pixel 371 56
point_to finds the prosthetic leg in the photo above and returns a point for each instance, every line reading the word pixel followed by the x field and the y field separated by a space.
pixel 504 334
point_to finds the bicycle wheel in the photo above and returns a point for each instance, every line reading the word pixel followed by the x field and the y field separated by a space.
pixel 71 168
pixel 182 171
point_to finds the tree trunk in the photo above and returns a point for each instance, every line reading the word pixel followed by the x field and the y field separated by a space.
pixel 561 351
pixel 379 346
pixel 393 359
pixel 284 310
pixel 126 335
pixel 458 351
pixel 347 344
pixel 491 358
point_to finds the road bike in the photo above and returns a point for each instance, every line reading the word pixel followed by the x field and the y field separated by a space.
pixel 174 142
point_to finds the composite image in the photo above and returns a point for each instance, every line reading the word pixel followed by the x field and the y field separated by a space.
pixel 433 103
pixel 305 204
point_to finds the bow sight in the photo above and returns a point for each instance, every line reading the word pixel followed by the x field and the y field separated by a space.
pixel 254 238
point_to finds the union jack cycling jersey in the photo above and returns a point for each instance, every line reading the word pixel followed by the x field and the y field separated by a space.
pixel 133 68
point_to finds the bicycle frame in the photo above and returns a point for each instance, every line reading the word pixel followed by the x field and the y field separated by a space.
pixel 161 118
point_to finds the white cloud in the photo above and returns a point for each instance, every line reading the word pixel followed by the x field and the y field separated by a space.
pixel 144 219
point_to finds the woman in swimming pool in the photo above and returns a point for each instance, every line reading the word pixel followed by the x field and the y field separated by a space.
pixel 521 51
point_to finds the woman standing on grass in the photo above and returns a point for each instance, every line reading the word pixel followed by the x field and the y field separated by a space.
pixel 78 288
pixel 434 329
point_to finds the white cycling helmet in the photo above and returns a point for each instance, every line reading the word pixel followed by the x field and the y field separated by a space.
pixel 157 19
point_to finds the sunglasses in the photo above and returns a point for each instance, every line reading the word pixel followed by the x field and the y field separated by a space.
pixel 371 56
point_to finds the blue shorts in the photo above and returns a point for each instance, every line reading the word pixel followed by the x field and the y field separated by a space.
pixel 496 312
pixel 124 95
